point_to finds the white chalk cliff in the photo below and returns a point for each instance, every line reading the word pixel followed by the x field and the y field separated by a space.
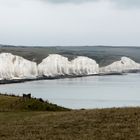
pixel 53 65
pixel 83 66
pixel 57 65
pixel 124 65
pixel 16 67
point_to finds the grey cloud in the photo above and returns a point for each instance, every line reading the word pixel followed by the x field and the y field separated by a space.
pixel 69 1
pixel 126 3
pixel 118 3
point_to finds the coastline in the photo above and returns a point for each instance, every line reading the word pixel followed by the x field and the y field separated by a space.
pixel 97 53
pixel 53 78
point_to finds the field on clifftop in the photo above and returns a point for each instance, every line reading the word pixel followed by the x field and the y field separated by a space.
pixel 97 124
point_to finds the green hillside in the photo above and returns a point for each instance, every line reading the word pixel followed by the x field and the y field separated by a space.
pixel 17 103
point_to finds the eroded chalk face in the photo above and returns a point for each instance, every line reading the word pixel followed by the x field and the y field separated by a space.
pixel 124 65
pixel 16 67
pixel 57 65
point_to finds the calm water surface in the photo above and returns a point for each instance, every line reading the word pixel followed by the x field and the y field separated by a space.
pixel 85 92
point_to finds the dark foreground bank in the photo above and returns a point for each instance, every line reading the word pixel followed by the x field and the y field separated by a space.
pixel 97 124
pixel 104 124
pixel 10 103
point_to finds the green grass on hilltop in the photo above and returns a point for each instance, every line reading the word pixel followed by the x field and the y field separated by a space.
pixel 17 103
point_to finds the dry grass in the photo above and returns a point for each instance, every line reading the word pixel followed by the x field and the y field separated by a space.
pixel 105 124
pixel 27 120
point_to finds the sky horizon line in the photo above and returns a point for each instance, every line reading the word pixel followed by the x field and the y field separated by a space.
pixel 4 45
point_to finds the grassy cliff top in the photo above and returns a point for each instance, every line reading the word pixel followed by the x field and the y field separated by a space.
pixel 17 103
pixel 35 119
pixel 98 124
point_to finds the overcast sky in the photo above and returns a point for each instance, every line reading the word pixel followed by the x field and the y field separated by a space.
pixel 70 22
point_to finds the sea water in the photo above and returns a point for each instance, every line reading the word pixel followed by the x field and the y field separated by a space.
pixel 84 92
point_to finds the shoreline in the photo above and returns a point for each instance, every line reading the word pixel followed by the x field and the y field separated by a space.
pixel 2 82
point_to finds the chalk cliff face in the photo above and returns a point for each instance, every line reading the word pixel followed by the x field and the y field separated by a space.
pixel 83 66
pixel 124 65
pixel 16 67
pixel 54 65
pixel 57 65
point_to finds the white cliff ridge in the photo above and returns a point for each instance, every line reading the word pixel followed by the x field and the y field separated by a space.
pixel 53 65
pixel 83 66
pixel 16 67
pixel 124 65
pixel 57 65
